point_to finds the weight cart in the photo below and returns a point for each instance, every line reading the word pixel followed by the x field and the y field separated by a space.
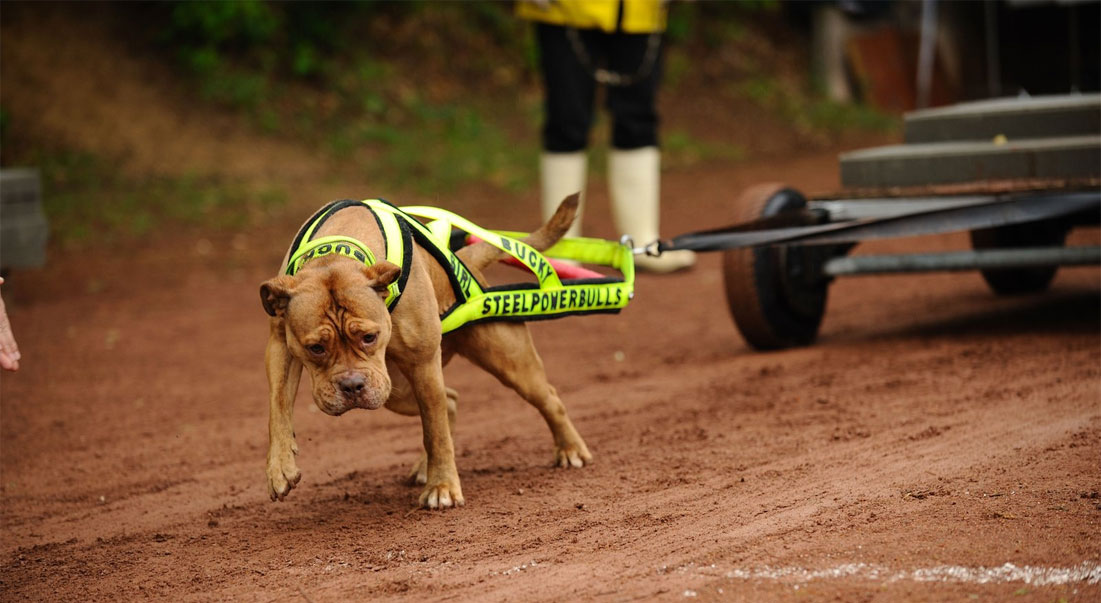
pixel 1017 173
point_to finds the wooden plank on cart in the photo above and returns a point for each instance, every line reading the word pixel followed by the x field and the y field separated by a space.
pixel 1012 118
pixel 1071 157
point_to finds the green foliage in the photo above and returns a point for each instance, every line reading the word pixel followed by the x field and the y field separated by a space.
pixel 87 202
pixel 812 114
pixel 493 18
pixel 681 149
pixel 450 146
pixel 293 67
pixel 834 117
pixel 677 67
pixel 219 24
pixel 363 112
pixel 714 23
pixel 238 50
pixel 205 35
pixel 423 96
pixel 681 24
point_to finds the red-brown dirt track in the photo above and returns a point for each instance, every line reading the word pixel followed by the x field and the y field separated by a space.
pixel 933 435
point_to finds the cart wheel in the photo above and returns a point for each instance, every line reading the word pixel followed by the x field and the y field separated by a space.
pixel 775 294
pixel 1016 281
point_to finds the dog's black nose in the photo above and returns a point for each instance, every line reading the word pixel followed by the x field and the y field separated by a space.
pixel 352 385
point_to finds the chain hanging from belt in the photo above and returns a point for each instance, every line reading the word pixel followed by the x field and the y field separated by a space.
pixel 612 78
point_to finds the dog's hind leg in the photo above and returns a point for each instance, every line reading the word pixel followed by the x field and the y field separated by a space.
pixel 403 402
pixel 506 351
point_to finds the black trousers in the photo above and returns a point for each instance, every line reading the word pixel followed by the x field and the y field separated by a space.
pixel 570 90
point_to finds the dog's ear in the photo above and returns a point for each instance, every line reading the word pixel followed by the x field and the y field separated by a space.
pixel 275 294
pixel 380 275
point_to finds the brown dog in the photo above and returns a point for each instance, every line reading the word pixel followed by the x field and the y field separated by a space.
pixel 331 319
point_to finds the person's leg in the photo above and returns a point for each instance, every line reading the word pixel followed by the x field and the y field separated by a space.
pixel 633 107
pixel 568 113
pixel 9 350
pixel 634 162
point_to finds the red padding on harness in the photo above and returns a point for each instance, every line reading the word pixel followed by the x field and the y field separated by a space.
pixel 565 270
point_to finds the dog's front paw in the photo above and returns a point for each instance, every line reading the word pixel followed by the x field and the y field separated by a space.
pixel 442 495
pixel 572 455
pixel 283 473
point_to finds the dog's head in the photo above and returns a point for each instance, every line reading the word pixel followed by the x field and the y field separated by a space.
pixel 336 323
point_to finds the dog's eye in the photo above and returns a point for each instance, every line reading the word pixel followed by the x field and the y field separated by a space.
pixel 316 348
pixel 370 338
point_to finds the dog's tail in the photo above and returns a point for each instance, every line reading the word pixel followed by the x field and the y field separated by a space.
pixel 481 254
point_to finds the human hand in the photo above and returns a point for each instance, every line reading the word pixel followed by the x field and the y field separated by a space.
pixel 9 350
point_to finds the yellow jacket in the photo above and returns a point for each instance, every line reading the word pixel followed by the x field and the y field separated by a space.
pixel 639 16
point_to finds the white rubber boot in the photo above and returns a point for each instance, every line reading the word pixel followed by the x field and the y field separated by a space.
pixel 561 175
pixel 634 180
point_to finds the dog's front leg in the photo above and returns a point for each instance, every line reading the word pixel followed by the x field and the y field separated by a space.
pixel 442 489
pixel 284 372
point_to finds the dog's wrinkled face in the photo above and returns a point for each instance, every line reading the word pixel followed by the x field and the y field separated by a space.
pixel 337 325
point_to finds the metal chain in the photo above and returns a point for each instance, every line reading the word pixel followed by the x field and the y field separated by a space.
pixel 612 78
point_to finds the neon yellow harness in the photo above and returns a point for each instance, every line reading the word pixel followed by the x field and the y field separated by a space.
pixel 550 297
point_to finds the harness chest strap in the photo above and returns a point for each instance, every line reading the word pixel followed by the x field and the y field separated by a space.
pixel 397 240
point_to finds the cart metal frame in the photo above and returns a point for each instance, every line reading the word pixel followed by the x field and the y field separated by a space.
pixel 1016 185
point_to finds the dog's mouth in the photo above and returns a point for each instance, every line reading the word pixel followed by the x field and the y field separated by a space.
pixel 331 409
pixel 339 405
pixel 360 391
pixel 371 400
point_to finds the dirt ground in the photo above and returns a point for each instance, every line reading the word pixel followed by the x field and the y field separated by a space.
pixel 937 443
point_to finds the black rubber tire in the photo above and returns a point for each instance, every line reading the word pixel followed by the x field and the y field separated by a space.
pixel 1020 281
pixel 771 305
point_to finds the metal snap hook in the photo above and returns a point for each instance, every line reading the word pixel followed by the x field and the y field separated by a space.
pixel 652 249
